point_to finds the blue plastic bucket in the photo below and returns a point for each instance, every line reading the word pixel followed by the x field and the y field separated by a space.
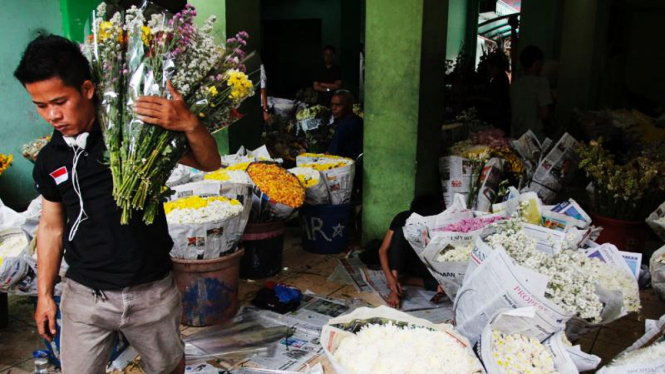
pixel 325 228
pixel 119 341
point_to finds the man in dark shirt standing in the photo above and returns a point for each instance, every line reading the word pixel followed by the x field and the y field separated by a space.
pixel 329 77
pixel 348 138
pixel 119 276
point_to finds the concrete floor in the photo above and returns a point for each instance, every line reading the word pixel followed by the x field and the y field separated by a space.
pixel 308 272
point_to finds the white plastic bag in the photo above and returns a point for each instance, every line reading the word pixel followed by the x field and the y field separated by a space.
pixel 9 218
pixel 316 194
pixel 657 269
pixel 31 218
pixel 13 265
pixel 656 221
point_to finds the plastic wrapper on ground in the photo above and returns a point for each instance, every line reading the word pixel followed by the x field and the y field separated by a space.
pixel 242 336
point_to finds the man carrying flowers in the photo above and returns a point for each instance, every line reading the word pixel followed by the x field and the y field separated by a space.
pixel 119 275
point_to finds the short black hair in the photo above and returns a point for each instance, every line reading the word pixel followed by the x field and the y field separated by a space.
pixel 346 95
pixel 426 205
pixel 530 55
pixel 329 48
pixel 51 56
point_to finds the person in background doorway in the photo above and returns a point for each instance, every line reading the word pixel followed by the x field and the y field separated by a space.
pixel 530 96
pixel 399 261
pixel 264 94
pixel 348 138
pixel 498 91
pixel 329 77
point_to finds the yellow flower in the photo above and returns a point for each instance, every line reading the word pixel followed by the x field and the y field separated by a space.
pixel 219 175
pixel 326 166
pixel 213 91
pixel 201 115
pixel 281 186
pixel 146 35
pixel 5 161
pixel 240 166
pixel 195 202
pixel 241 86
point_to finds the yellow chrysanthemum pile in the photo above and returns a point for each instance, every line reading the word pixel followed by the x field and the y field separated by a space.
pixel 195 202
pixel 241 86
pixel 239 167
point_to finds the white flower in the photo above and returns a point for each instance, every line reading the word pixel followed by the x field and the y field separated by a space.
pixel 519 354
pixel 215 211
pixel 460 253
pixel 644 355
pixel 388 349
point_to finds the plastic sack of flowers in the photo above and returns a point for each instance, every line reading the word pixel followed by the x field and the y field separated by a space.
pixel 209 221
pixel 384 340
pixel 337 173
pixel 650 359
pixel 316 191
pixel 13 265
pixel 657 269
pixel 506 348
pixel 134 57
pixel 276 192
pixel 656 221
pixel 31 150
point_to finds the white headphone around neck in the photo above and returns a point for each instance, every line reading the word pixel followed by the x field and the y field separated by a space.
pixel 80 141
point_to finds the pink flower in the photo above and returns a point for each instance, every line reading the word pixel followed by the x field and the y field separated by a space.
pixel 471 224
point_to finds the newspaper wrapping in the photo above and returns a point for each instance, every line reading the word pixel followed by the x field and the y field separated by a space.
pixel 316 194
pixel 417 228
pixel 338 181
pixel 215 238
pixel 529 149
pixel 455 173
pixel 449 274
pixel 555 169
pixel 511 321
pixel 656 221
pixel 331 336
pixel 493 282
pixel 490 179
pixel 657 269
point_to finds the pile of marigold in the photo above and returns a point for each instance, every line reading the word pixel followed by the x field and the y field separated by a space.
pixel 280 185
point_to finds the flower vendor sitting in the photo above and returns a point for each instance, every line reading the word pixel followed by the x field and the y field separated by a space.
pixel 348 139
pixel 398 259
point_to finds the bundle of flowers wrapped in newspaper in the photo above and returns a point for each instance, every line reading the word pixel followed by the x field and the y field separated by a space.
pixel 131 57
pixel 277 193
pixel 31 150
pixel 657 269
pixel 645 360
pixel 316 122
pixel 230 175
pixel 316 191
pixel 337 174
pixel 506 347
pixel 5 162
pixel 386 341
pixel 206 219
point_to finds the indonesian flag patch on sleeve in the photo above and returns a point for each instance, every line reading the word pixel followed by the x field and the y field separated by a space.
pixel 60 175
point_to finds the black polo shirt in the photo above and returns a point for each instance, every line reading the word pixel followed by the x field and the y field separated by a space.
pixel 104 254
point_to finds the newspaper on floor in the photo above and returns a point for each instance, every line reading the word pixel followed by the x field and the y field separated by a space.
pixel 555 169
pixel 367 280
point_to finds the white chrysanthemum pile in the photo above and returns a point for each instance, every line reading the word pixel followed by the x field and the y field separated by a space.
pixel 573 276
pixel 388 349
pixel 228 176
pixel 460 253
pixel 196 210
pixel 519 354
pixel 644 355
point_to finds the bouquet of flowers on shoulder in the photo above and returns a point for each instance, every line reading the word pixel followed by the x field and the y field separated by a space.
pixel 478 167
pixel 327 179
pixel 31 150
pixel 132 56
pixel 384 340
pixel 316 123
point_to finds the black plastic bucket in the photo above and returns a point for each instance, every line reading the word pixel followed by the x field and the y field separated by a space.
pixel 264 245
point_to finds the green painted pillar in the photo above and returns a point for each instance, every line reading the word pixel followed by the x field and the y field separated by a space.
pixel 406 46
pixel 76 17
pixel 205 9
pixel 245 15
